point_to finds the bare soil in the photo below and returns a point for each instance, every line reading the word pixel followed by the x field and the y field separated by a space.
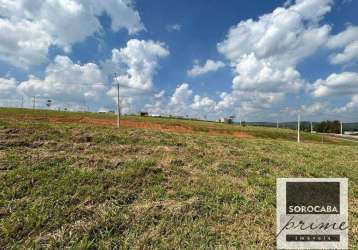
pixel 178 128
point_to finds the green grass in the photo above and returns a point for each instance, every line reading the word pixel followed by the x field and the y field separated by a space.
pixel 87 187
pixel 43 117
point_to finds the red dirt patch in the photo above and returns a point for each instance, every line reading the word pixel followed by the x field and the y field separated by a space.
pixel 137 124
pixel 156 126
pixel 243 135
pixel 133 124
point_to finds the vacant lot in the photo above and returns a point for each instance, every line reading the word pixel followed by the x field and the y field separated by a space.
pixel 74 180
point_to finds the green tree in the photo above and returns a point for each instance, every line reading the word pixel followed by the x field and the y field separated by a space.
pixel 328 127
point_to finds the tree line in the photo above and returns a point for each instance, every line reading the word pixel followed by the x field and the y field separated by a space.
pixel 328 127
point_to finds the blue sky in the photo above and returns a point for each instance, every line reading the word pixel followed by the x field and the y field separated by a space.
pixel 257 60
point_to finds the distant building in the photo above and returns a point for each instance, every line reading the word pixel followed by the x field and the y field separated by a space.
pixel 351 132
pixel 227 120
pixel 143 113
pixel 105 111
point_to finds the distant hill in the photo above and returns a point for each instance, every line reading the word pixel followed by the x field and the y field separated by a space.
pixel 353 126
pixel 290 125
pixel 305 125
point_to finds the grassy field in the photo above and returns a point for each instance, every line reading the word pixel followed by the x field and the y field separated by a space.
pixel 74 180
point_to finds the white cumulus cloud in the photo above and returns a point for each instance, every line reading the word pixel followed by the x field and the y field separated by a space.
pixel 66 81
pixel 7 87
pixel 348 40
pixel 349 54
pixel 203 103
pixel 262 75
pixel 343 84
pixel 23 43
pixel 209 66
pixel 137 62
pixel 136 65
pixel 264 54
pixel 349 35
pixel 183 103
pixel 29 27
pixel 76 84
pixel 8 93
pixel 182 95
pixel 285 36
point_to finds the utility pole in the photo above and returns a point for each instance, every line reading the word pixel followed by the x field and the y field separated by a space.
pixel 311 128
pixel 33 102
pixel 277 124
pixel 298 126
pixel 22 102
pixel 118 107
pixel 341 128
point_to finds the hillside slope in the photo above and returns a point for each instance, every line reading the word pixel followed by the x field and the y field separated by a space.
pixel 68 182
